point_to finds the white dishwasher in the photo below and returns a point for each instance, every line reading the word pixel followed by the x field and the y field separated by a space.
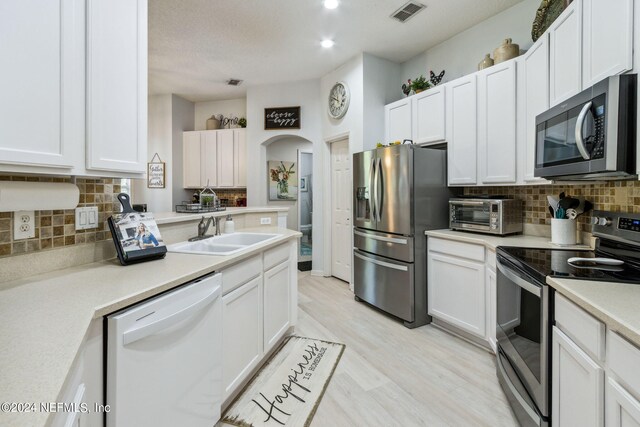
pixel 164 359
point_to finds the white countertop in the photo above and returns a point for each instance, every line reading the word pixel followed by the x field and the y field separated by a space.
pixel 172 217
pixel 617 305
pixel 44 319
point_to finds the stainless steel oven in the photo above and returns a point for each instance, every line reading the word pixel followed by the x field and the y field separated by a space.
pixel 486 214
pixel 523 327
pixel 591 135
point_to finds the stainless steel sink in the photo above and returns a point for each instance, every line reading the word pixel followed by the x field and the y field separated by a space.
pixel 227 244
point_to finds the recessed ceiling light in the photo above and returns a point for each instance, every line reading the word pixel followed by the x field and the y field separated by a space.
pixel 330 4
pixel 327 43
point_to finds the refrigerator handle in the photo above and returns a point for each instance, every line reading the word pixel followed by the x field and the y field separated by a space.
pixel 380 183
pixel 373 187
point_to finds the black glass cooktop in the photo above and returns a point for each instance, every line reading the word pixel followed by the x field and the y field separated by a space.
pixel 540 263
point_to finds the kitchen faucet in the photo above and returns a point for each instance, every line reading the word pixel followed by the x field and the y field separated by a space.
pixel 203 227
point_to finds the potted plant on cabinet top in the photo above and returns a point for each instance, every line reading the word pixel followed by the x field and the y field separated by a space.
pixel 420 84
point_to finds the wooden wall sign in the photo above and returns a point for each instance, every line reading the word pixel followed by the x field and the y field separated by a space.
pixel 156 173
pixel 282 118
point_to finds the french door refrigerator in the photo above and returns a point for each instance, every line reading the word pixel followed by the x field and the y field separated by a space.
pixel 399 192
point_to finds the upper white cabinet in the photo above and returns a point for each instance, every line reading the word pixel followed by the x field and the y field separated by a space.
pixel 607 39
pixel 428 121
pixel 533 99
pixel 497 124
pixel 462 135
pixel 215 158
pixel 565 37
pixel 117 85
pixel 41 82
pixel 397 121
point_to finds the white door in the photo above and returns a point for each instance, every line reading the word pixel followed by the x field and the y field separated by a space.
pixel 117 85
pixel 225 159
pixel 456 292
pixel 533 99
pixel 623 410
pixel 42 82
pixel 191 158
pixel 242 338
pixel 577 385
pixel 462 132
pixel 398 121
pixel 276 303
pixel 341 229
pixel 209 158
pixel 608 39
pixel 497 124
pixel 239 158
pixel 429 123
pixel 566 54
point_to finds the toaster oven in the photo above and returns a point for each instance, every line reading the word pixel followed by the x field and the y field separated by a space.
pixel 494 215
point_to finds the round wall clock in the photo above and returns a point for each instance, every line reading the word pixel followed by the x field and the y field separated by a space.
pixel 338 100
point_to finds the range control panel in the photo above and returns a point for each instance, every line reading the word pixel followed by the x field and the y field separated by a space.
pixel 629 224
pixel 620 226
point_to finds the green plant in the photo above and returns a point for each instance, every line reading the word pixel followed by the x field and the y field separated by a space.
pixel 421 83
pixel 242 122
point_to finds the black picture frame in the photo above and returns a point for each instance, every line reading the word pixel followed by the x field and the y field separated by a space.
pixel 282 118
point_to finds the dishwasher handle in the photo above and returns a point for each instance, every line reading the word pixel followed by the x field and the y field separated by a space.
pixel 136 334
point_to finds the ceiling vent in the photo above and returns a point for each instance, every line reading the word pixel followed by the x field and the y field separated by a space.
pixel 234 82
pixel 407 11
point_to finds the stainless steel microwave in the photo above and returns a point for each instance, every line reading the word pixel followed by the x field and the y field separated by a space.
pixel 591 136
pixel 491 215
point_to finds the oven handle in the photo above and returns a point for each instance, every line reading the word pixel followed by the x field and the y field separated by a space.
pixel 579 123
pixel 529 287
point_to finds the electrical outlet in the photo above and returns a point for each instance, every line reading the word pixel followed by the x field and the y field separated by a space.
pixel 265 221
pixel 24 225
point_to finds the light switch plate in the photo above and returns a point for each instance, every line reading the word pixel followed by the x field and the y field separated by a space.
pixel 265 221
pixel 24 225
pixel 86 218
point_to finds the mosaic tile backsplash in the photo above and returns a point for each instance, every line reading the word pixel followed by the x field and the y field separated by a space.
pixel 56 228
pixel 622 196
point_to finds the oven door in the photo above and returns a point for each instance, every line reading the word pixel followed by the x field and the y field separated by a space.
pixel 523 330
pixel 471 215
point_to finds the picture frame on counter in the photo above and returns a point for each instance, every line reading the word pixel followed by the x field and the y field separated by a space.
pixel 282 118
pixel 156 173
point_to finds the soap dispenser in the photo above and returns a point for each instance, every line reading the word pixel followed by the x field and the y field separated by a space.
pixel 229 226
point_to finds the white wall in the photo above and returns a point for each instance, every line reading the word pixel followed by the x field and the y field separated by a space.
pixel 182 117
pixel 461 54
pixel 286 149
pixel 228 108
pixel 381 87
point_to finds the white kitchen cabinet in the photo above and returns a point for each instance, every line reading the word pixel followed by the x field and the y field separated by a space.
pixel 117 85
pixel 242 333
pixel 191 159
pixel 456 292
pixel 577 385
pixel 607 39
pixel 491 304
pixel 462 133
pixel 225 162
pixel 277 295
pixel 497 124
pixel 209 159
pixel 565 62
pixel 428 121
pixel 397 121
pixel 42 83
pixel 533 99
pixel 623 409
pixel 240 158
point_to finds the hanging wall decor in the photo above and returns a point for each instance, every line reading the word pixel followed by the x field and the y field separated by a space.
pixel 283 180
pixel 282 118
pixel 156 173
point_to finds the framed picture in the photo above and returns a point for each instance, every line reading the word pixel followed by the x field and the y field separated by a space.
pixel 282 180
pixel 156 173
pixel 282 118
pixel 303 184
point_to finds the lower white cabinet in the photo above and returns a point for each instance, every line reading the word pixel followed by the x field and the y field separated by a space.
pixel 242 333
pixel 577 385
pixel 277 291
pixel 491 304
pixel 456 292
pixel 623 410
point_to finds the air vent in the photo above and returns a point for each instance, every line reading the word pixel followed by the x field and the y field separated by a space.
pixel 234 82
pixel 407 11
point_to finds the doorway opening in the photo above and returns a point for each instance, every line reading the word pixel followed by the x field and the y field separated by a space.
pixel 305 208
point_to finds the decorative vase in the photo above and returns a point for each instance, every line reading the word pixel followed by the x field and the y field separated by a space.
pixel 485 63
pixel 419 90
pixel 283 189
pixel 506 51
pixel 213 123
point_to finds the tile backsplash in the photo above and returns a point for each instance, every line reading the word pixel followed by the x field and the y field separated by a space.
pixel 56 228
pixel 621 196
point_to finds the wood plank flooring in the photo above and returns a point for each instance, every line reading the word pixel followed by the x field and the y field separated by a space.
pixel 393 376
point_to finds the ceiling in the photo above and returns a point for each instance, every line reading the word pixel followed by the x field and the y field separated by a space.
pixel 196 45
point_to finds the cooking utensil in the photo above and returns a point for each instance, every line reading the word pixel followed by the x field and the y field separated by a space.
pixel 560 213
pixel 552 212
pixel 572 213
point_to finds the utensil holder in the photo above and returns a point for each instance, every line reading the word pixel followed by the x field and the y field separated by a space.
pixel 564 231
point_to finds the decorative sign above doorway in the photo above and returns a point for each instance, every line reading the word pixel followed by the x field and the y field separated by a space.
pixel 282 118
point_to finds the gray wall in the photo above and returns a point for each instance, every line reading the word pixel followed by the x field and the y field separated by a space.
pixel 182 119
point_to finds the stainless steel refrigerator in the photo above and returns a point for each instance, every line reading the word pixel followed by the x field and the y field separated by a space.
pixel 399 192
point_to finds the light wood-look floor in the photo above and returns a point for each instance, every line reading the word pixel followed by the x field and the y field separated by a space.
pixel 393 376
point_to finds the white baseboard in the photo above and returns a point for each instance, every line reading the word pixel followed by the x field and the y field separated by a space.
pixel 318 273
